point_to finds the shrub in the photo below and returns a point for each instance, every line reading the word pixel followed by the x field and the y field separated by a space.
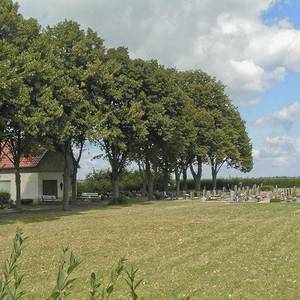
pixel 266 182
pixel 275 200
pixel 159 195
pixel 4 198
pixel 122 199
pixel 267 188
pixel 27 201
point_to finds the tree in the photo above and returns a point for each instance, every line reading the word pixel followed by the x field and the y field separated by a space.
pixel 198 86
pixel 229 143
pixel 220 133
pixel 164 106
pixel 24 85
pixel 72 52
pixel 119 124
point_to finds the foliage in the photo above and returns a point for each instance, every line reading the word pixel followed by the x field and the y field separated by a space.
pixel 60 87
pixel 72 52
pixel 267 188
pixel 24 86
pixel 119 121
pixel 221 136
pixel 64 284
pixel 10 280
pixel 98 288
pixel 100 182
pixel 132 282
pixel 4 198
pixel 26 201
pixel 266 183
pixel 275 200
pixel 122 199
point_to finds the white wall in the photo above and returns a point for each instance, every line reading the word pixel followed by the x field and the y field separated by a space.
pixel 32 184
pixel 29 185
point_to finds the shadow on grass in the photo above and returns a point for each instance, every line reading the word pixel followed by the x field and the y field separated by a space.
pixel 42 213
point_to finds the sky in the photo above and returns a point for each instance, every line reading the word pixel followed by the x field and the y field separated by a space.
pixel 253 47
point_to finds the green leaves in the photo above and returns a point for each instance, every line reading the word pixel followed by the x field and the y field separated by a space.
pixel 132 282
pixel 10 279
pixel 64 283
pixel 98 289
pixel 221 136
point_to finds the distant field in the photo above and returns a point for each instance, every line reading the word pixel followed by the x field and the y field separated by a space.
pixel 207 250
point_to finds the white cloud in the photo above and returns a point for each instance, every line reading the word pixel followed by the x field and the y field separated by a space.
pixel 225 38
pixel 285 117
pixel 256 153
pixel 249 102
pixel 282 150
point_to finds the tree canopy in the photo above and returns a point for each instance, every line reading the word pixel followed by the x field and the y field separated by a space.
pixel 60 88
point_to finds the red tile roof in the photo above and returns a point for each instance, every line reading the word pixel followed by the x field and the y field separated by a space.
pixel 30 161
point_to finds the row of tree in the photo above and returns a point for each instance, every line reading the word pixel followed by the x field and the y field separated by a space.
pixel 60 87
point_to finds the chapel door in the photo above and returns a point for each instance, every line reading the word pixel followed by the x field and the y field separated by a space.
pixel 50 188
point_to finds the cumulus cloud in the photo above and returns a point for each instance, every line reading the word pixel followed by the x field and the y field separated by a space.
pixel 282 150
pixel 285 117
pixel 225 38
pixel 249 102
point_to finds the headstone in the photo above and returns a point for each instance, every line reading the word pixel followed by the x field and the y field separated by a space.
pixel 232 196
pixel 254 190
pixel 208 194
pixel 258 191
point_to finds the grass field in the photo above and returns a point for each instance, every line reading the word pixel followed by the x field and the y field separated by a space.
pixel 206 250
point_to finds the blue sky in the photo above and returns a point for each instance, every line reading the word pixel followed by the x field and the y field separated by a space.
pixel 288 9
pixel 252 46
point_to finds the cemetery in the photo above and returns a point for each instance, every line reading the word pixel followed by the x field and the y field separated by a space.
pixel 242 194
pixel 105 142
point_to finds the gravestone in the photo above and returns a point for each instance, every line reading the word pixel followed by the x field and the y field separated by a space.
pixel 294 192
pixel 232 196
pixel 258 191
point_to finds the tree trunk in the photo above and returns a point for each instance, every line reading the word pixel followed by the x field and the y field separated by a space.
pixel 115 185
pixel 74 185
pixel 18 187
pixel 143 174
pixel 75 166
pixel 197 175
pixel 214 179
pixel 67 177
pixel 177 178
pixel 149 180
pixel 144 187
pixel 166 179
pixel 184 176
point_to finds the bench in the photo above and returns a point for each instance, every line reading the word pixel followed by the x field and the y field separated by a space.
pixel 89 195
pixel 49 199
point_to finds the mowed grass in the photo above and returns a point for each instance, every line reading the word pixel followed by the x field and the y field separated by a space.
pixel 206 250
